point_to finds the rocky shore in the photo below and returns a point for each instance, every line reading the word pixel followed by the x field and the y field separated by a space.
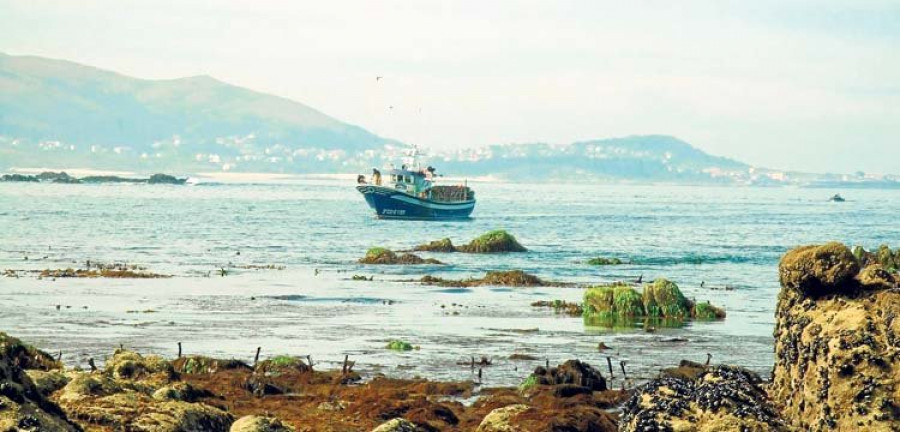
pixel 836 360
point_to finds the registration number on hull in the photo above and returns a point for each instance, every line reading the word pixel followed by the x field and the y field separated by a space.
pixel 392 212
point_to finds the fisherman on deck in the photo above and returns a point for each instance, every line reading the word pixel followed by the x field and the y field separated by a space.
pixel 376 176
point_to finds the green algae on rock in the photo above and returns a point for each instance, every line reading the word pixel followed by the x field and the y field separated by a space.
pixel 662 298
pixel 399 345
pixel 281 363
pixel 818 270
pixel 379 255
pixel 619 304
pixel 706 311
pixel 206 365
pixel 497 241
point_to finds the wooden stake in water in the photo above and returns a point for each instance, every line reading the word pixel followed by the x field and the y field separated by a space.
pixel 256 359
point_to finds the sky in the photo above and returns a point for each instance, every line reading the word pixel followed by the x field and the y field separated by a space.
pixel 799 85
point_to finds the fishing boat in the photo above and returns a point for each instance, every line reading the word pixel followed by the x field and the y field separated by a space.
pixel 411 193
pixel 837 198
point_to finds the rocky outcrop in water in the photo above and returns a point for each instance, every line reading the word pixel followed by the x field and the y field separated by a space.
pixel 837 342
pixel 379 255
pixel 442 245
pixel 497 241
pixel 660 300
pixel 63 177
pixel 507 278
pixel 493 242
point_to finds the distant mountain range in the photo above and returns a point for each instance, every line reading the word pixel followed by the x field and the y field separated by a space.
pixel 63 115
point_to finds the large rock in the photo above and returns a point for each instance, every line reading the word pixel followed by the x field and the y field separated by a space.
pixel 126 364
pixel 818 270
pixel 501 419
pixel 837 356
pixel 720 398
pixel 22 406
pixel 572 372
pixel 254 423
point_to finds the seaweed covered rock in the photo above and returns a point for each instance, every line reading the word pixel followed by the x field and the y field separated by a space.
pixel 100 401
pixel 255 423
pixel 837 355
pixel 662 298
pixel 493 242
pixel 706 311
pixel 442 245
pixel 399 345
pixel 571 372
pixel 22 406
pixel 281 364
pixel 206 365
pixel 512 278
pixel 379 255
pixel 720 398
pixel 818 270
pixel 610 302
pixel 149 372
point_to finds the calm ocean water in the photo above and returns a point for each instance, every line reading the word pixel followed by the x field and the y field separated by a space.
pixel 717 235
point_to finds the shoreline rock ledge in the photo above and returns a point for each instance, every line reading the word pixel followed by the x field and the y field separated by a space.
pixel 837 342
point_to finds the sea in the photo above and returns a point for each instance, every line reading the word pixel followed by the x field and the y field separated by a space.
pixel 271 265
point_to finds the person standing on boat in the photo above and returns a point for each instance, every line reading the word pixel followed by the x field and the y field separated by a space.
pixel 376 176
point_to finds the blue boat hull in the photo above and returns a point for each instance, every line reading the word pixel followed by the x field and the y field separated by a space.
pixel 393 204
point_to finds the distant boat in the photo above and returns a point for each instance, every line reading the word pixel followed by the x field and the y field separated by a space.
pixel 410 193
pixel 837 198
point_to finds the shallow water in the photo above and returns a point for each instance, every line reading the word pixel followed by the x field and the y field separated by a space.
pixel 689 234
